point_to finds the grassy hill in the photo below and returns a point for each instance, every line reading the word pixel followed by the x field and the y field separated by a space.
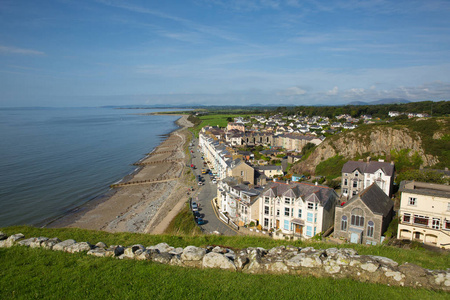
pixel 38 273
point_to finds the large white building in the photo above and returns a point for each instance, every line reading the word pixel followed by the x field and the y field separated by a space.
pixel 238 200
pixel 425 213
pixel 359 175
pixel 298 210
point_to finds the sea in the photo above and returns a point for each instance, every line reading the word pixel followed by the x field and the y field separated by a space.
pixel 53 160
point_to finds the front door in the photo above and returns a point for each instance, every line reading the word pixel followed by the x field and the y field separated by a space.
pixel 278 224
pixel 298 229
pixel 354 238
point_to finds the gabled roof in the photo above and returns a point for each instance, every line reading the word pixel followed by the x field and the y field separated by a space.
pixel 375 199
pixel 368 167
pixel 315 193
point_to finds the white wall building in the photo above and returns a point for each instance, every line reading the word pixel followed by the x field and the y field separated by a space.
pixel 298 210
pixel 425 213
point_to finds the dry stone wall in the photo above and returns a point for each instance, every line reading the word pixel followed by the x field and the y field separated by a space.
pixel 335 263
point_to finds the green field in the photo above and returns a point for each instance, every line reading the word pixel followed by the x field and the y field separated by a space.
pixel 214 120
pixel 38 273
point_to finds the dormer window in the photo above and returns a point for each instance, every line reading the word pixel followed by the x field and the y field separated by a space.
pixel 356 174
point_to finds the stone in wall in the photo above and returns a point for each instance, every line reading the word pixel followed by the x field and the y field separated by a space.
pixel 332 262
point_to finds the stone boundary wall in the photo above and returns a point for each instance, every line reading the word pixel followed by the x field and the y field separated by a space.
pixel 332 262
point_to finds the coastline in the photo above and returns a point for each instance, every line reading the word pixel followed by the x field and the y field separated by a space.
pixel 145 197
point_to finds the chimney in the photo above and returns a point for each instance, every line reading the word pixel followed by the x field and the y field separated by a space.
pixel 392 162
pixel 368 158
pixel 316 183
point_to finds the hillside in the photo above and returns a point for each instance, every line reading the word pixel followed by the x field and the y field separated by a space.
pixel 409 142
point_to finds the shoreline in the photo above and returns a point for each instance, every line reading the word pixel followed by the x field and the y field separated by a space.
pixel 135 207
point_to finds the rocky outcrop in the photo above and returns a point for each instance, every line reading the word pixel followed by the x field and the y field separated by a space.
pixel 379 141
pixel 333 262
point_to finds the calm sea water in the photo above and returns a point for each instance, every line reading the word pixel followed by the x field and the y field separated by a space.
pixel 52 160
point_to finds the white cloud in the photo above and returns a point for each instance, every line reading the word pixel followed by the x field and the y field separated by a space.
pixel 333 91
pixel 21 51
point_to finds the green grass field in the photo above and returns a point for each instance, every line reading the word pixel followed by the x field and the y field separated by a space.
pixel 214 120
pixel 37 273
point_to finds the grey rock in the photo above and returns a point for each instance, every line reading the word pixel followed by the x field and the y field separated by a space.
pixel 384 260
pixel 62 245
pixel 38 242
pixel 26 242
pixel 163 258
pixel 101 245
pixel 218 260
pixel 48 244
pixel 192 253
pixel 162 247
pixel 98 252
pixel 11 240
pixel 277 267
pixel 78 247
pixel 176 251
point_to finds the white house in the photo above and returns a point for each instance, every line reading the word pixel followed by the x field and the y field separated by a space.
pixel 298 210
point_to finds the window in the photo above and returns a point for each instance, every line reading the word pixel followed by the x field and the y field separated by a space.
pixel 286 211
pixel 447 224
pixel 266 223
pixel 286 224
pixel 287 201
pixel 407 218
pixel 242 173
pixel 266 210
pixel 436 223
pixel 345 181
pixel 412 201
pixel 354 193
pixel 421 220
pixel 370 227
pixel 355 183
pixel 308 231
pixel 310 205
pixel 315 218
pixel 315 206
pixel 345 191
pixel 309 217
pixel 266 200
pixel 299 213
pixel 356 174
pixel 278 212
pixel 367 182
pixel 344 223
pixel 357 217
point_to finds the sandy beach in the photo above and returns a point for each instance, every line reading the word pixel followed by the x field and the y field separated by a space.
pixel 147 201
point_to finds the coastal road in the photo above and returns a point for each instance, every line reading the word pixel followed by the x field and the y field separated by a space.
pixel 205 195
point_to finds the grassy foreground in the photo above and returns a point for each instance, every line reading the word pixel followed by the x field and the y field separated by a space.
pixel 38 273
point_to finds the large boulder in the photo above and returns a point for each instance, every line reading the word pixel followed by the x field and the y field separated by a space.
pixel 48 244
pixel 161 247
pixel 218 260
pixel 11 240
pixel 63 245
pixel 192 256
pixel 78 247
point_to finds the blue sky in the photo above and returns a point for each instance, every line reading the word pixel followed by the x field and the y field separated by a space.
pixel 282 52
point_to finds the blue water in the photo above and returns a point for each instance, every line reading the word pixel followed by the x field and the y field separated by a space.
pixel 52 160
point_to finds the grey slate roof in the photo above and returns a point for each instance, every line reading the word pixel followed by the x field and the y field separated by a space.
pixel 375 199
pixel 423 188
pixel 301 189
pixel 368 167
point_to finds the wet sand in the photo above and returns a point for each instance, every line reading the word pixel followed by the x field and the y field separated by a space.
pixel 146 200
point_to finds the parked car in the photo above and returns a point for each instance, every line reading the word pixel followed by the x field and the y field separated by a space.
pixel 196 214
pixel 194 206
pixel 214 181
pixel 200 221
pixel 200 183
